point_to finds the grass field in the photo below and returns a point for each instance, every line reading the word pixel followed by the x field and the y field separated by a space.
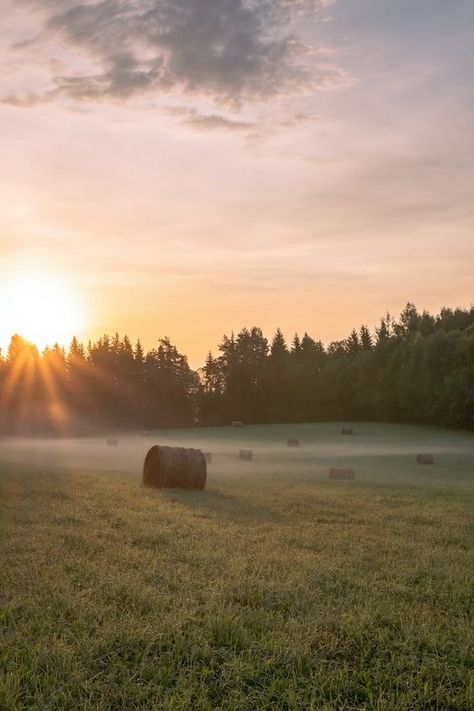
pixel 273 589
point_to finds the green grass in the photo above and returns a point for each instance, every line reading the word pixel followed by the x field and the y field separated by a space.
pixel 272 589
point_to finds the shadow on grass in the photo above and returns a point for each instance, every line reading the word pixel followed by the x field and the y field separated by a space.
pixel 213 503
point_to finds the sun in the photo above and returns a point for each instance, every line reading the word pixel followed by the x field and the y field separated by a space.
pixel 41 308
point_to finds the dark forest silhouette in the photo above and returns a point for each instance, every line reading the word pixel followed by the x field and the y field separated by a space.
pixel 419 368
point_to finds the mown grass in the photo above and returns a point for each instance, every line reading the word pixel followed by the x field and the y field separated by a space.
pixel 254 594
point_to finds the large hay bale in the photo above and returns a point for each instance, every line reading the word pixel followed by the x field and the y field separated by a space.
pixel 112 442
pixel 246 455
pixel 424 459
pixel 175 468
pixel 347 431
pixel 341 473
pixel 293 442
pixel 237 423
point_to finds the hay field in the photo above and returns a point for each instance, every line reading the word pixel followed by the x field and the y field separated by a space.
pixel 273 589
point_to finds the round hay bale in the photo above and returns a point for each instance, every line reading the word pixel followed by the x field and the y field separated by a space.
pixel 175 468
pixel 424 459
pixel 237 423
pixel 208 456
pixel 340 474
pixel 293 442
pixel 246 455
pixel 112 442
pixel 347 431
pixel 146 433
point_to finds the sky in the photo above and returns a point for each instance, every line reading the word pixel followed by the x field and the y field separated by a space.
pixel 190 167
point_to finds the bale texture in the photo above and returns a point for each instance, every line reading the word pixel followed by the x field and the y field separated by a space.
pixel 237 423
pixel 112 442
pixel 293 443
pixel 424 459
pixel 175 468
pixel 341 473
pixel 246 455
pixel 347 431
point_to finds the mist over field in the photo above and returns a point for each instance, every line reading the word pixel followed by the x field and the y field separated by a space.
pixel 380 453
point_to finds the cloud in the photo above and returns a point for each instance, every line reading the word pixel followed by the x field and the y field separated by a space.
pixel 23 100
pixel 258 128
pixel 210 122
pixel 191 116
pixel 230 51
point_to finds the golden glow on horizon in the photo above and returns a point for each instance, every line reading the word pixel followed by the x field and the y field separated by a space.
pixel 41 308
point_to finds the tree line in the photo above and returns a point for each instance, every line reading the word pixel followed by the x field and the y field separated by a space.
pixel 418 368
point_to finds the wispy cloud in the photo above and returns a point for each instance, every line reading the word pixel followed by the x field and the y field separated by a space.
pixel 210 122
pixel 255 128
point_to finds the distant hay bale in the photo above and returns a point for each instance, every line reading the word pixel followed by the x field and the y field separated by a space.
pixel 246 455
pixel 146 433
pixel 112 442
pixel 341 473
pixel 424 459
pixel 237 423
pixel 208 456
pixel 347 431
pixel 175 468
pixel 293 442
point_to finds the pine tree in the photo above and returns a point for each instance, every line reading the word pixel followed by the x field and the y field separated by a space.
pixel 296 344
pixel 383 332
pixel 278 348
pixel 352 343
pixel 365 338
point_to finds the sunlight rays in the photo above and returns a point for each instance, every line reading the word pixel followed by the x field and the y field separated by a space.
pixel 35 387
pixel 50 373
pixel 17 389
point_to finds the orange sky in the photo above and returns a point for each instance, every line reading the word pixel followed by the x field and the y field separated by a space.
pixel 235 166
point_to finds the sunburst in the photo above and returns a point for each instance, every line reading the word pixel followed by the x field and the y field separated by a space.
pixel 40 307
